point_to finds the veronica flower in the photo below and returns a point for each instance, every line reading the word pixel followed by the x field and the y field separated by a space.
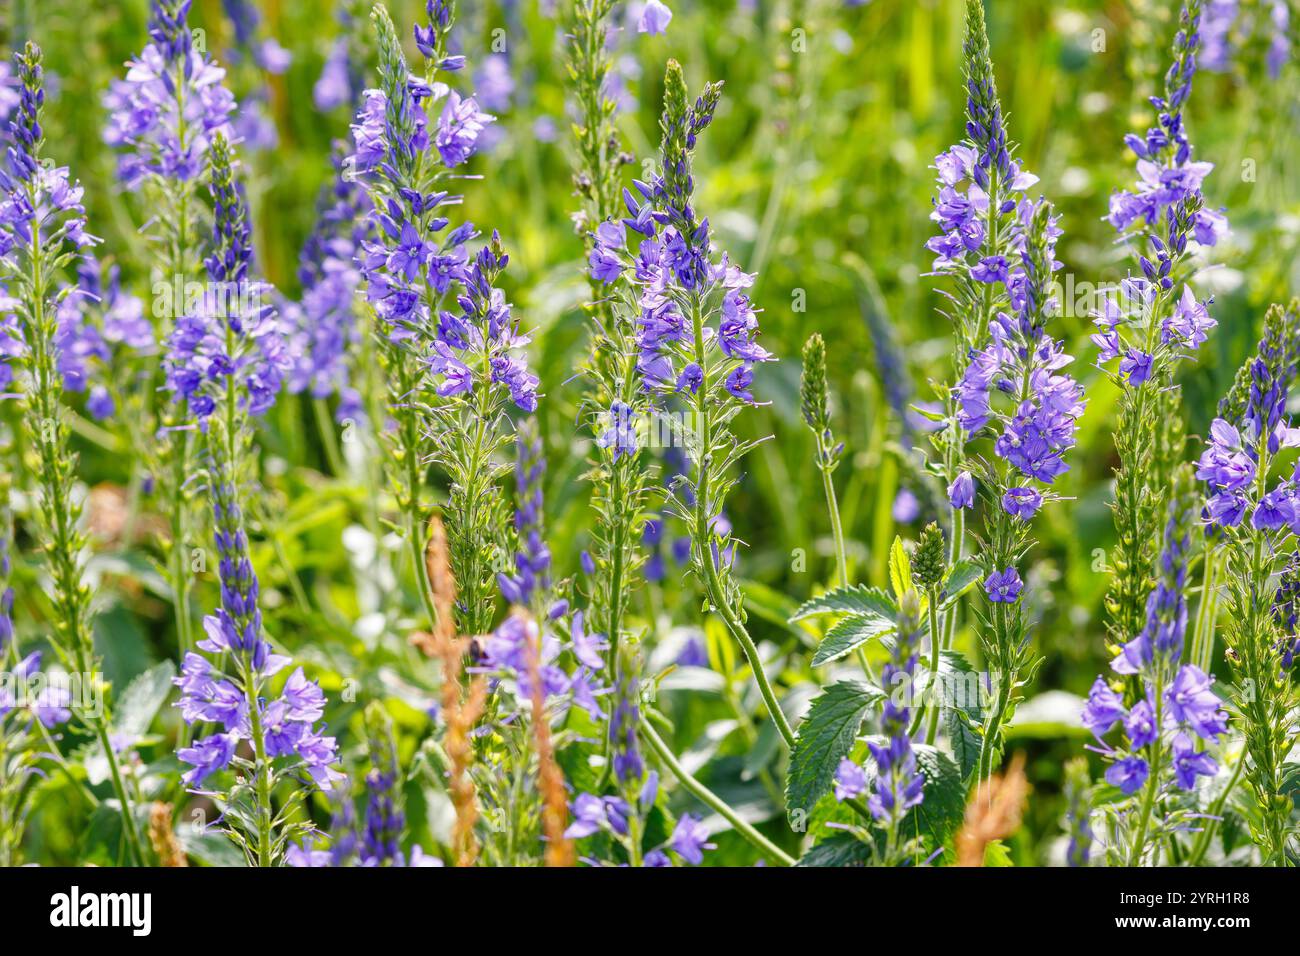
pixel 98 328
pixel 42 233
pixel 1253 520
pixel 326 328
pixel 1015 389
pixel 384 819
pixel 677 286
pixel 897 785
pixel 1175 709
pixel 163 116
pixel 1166 213
pixel 225 358
pixel 163 119
pixel 654 17
pixel 449 341
pixel 531 579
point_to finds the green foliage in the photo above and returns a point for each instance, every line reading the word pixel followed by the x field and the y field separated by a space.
pixel 826 735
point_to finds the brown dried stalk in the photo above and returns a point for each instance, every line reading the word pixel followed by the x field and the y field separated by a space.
pixel 993 813
pixel 461 710
pixel 166 848
pixel 442 587
pixel 550 779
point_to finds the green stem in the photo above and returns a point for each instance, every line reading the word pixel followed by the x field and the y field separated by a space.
pixel 1207 611
pixel 50 436
pixel 932 704
pixel 1138 847
pixel 329 440
pixel 771 851
pixel 1215 810
pixel 262 773
pixel 713 583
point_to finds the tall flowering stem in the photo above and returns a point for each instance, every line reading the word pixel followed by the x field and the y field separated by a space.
pixel 616 403
pixel 1033 426
pixel 162 118
pixel 1150 324
pixel 450 374
pixel 1172 709
pixel 1257 518
pixel 225 364
pixel 979 185
pixel 42 230
pixel 678 289
pixel 814 406
pixel 898 785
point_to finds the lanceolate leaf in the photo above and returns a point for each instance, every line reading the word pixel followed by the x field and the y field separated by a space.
pixel 900 569
pixel 849 634
pixel 857 599
pixel 825 737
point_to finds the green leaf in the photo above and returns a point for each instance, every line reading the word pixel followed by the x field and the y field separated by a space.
pixel 842 849
pixel 849 634
pixel 963 739
pixel 825 737
pixel 937 817
pixel 963 576
pixel 136 709
pixel 996 853
pixel 900 569
pixel 142 699
pixel 857 599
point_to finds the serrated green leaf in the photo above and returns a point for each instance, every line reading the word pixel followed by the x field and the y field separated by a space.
pixel 900 569
pixel 842 849
pixel 857 599
pixel 937 817
pixel 849 634
pixel 963 740
pixel 825 736
pixel 963 576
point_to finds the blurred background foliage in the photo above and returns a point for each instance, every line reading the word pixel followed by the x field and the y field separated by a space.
pixel 816 176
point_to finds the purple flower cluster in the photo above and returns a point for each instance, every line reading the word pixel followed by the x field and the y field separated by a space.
pixel 234 338
pixel 225 689
pixel 1230 465
pixel 1191 712
pixel 532 577
pixel 595 814
pixel 899 785
pixel 27 690
pixel 665 268
pixel 962 213
pixel 36 199
pixel 1024 364
pixel 324 328
pixel 1176 710
pixel 672 271
pixel 96 323
pixel 414 263
pixel 505 655
pixel 171 104
pixel 1182 331
pixel 1226 28
pixel 1168 178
